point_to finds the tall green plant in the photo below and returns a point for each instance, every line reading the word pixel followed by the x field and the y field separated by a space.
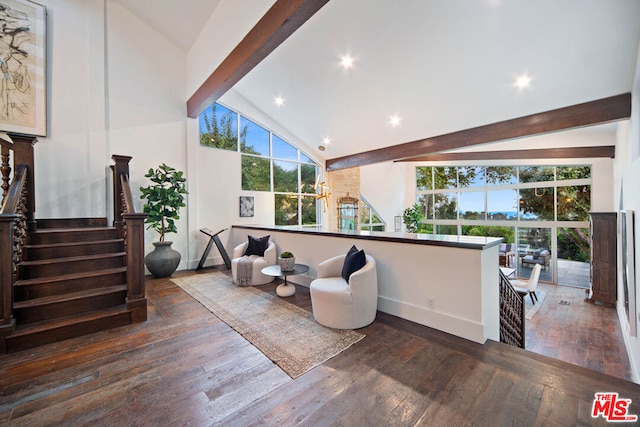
pixel 164 197
pixel 412 217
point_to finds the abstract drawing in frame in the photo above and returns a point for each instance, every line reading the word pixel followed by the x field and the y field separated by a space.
pixel 246 206
pixel 627 234
pixel 22 65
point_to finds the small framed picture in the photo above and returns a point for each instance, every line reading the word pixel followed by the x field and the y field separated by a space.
pixel 246 206
pixel 397 223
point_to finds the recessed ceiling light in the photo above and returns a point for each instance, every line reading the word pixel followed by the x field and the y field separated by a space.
pixel 326 140
pixel 394 120
pixel 346 62
pixel 279 101
pixel 523 81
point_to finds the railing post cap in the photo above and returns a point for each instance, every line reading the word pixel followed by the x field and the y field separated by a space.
pixel 121 158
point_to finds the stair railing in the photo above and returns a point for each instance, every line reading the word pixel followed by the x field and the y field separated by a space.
pixel 512 314
pixel 131 226
pixel 16 218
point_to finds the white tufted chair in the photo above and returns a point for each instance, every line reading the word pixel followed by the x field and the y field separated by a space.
pixel 257 278
pixel 341 305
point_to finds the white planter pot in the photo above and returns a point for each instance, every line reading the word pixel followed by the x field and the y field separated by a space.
pixel 287 264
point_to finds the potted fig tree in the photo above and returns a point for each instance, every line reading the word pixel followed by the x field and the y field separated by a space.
pixel 164 198
pixel 412 218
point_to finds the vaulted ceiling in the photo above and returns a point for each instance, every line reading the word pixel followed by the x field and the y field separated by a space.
pixel 438 66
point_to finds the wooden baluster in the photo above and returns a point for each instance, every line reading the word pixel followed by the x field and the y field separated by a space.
pixel 23 155
pixel 20 229
pixel 120 167
pixel 7 322
pixel 5 169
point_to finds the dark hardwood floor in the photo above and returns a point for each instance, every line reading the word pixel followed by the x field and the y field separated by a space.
pixel 568 328
pixel 185 367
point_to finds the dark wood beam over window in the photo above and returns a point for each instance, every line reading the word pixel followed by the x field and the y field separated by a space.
pixel 541 153
pixel 587 114
pixel 282 20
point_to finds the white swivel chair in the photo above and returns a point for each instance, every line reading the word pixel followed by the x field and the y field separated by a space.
pixel 257 278
pixel 530 286
pixel 340 304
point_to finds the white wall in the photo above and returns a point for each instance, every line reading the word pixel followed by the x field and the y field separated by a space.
pixel 627 197
pixel 146 114
pixel 115 87
pixel 384 185
pixel 70 161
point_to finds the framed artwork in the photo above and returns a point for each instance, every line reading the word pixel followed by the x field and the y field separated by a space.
pixel 246 206
pixel 22 62
pixel 627 240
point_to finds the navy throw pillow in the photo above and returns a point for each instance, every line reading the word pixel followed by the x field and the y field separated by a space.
pixel 353 261
pixel 257 245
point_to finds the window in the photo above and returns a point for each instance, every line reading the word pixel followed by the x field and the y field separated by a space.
pixel 369 219
pixel 541 208
pixel 254 139
pixel 269 163
pixel 219 128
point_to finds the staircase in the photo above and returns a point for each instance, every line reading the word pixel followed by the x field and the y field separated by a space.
pixel 71 282
pixel 63 278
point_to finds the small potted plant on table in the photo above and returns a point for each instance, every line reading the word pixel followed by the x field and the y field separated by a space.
pixel 287 261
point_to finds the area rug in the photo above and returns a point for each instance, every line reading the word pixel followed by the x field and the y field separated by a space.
pixel 530 308
pixel 285 333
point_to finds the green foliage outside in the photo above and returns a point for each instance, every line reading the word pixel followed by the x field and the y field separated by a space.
pixel 286 209
pixel 435 178
pixel 164 197
pixel 507 233
pixel 573 244
pixel 256 173
pixel 221 133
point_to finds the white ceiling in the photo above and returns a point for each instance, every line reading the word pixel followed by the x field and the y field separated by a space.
pixel 179 22
pixel 440 65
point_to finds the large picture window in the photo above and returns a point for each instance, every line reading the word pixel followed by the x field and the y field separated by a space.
pixel 543 211
pixel 268 163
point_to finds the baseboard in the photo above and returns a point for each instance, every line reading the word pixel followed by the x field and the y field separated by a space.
pixel 464 328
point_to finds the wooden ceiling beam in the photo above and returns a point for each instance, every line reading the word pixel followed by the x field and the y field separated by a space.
pixel 280 21
pixel 586 114
pixel 608 151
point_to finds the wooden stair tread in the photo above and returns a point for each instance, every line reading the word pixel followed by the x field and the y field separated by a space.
pixel 68 296
pixel 71 276
pixel 74 319
pixel 51 223
pixel 72 229
pixel 66 244
pixel 73 258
